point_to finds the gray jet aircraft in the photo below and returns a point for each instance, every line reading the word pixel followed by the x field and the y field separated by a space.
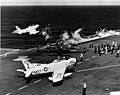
pixel 57 68
pixel 31 30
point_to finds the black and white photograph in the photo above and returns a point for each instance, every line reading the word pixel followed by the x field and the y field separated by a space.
pixel 60 47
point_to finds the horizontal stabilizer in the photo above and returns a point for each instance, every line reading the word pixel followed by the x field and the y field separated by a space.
pixel 67 74
pixel 20 70
pixel 27 73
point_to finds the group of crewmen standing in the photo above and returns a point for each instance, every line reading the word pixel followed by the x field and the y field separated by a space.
pixel 104 49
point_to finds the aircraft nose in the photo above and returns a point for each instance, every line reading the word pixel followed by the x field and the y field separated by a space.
pixel 74 59
pixel 76 62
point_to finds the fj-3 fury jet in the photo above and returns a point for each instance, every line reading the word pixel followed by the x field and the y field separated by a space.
pixel 31 30
pixel 57 68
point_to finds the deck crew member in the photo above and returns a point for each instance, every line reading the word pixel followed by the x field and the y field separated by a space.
pixel 81 57
pixel 116 46
pixel 113 43
pixel 106 50
pixel 99 50
pixel 90 45
pixel 84 88
pixel 112 49
pixel 95 51
pixel 118 52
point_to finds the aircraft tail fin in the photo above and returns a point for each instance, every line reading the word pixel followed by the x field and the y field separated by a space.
pixel 17 28
pixel 67 74
pixel 27 64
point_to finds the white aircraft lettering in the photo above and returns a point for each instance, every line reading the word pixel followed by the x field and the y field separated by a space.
pixel 36 72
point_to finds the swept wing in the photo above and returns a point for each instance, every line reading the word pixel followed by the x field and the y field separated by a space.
pixel 58 74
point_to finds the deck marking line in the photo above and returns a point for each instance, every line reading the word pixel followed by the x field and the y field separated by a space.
pixel 22 87
pixel 79 62
pixel 5 54
pixel 93 56
pixel 87 59
pixel 37 81
pixel 30 49
pixel 98 68
pixel 7 94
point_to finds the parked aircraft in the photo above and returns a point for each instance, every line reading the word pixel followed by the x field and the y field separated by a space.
pixel 77 39
pixel 57 68
pixel 31 30
pixel 59 48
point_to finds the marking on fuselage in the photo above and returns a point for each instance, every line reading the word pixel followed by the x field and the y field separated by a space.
pixel 36 72
pixel 98 68
pixel 22 87
pixel 37 81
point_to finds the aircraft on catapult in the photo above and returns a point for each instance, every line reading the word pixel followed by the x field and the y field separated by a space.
pixel 31 30
pixel 57 68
